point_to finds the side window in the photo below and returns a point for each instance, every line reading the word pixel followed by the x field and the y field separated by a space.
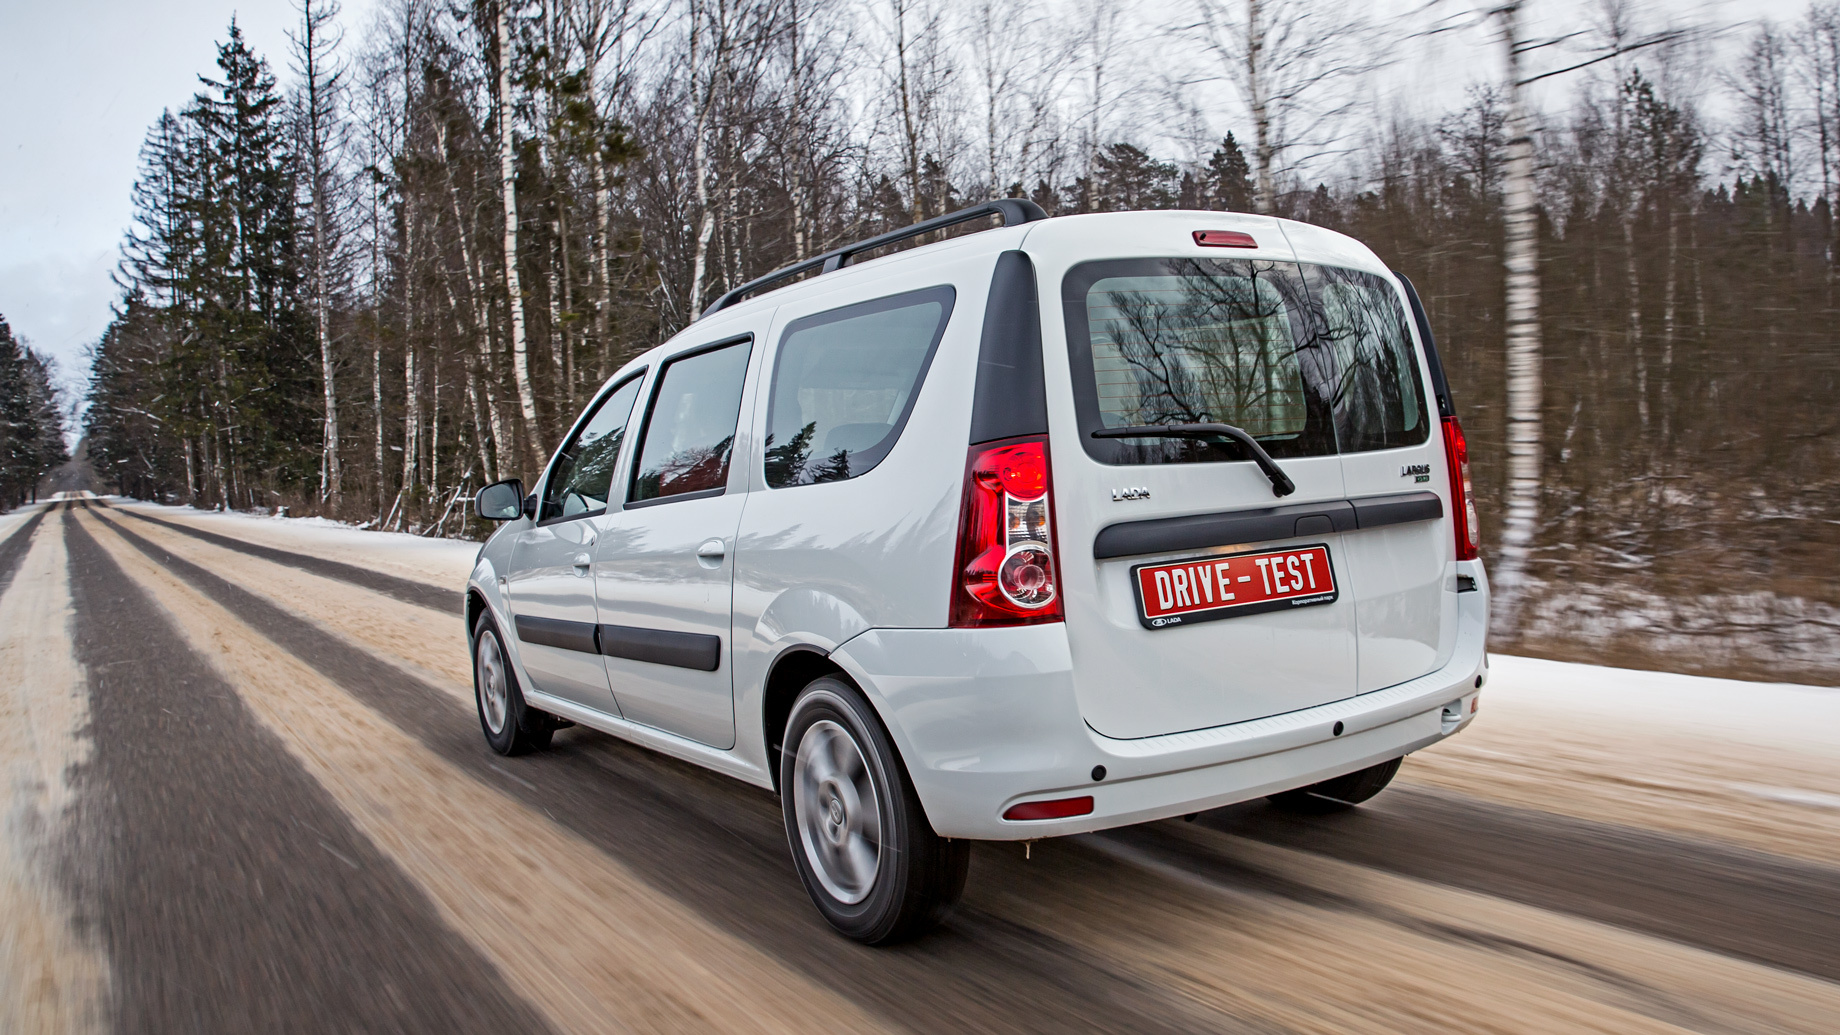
pixel 844 383
pixel 1379 397
pixel 690 430
pixel 584 470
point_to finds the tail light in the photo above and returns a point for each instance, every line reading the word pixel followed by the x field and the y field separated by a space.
pixel 1007 570
pixel 1462 498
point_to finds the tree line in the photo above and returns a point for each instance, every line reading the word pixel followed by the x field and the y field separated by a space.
pixel 398 276
pixel 31 420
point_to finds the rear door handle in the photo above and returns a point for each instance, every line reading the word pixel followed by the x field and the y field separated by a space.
pixel 581 563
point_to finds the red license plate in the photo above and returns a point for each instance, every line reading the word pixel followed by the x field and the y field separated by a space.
pixel 1201 589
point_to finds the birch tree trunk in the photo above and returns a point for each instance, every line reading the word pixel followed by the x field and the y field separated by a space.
pixel 1258 102
pixel 705 99
pixel 320 109
pixel 412 383
pixel 1669 307
pixel 377 416
pixel 507 173
pixel 1633 285
pixel 1521 257
pixel 475 287
pixel 909 130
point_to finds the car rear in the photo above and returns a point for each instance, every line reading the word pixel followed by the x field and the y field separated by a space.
pixel 1193 626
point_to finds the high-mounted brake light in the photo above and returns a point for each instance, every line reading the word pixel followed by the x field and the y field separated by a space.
pixel 1006 570
pixel 1224 239
pixel 1462 497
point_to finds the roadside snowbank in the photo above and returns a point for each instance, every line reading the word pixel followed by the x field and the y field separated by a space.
pixel 1647 703
pixel 443 562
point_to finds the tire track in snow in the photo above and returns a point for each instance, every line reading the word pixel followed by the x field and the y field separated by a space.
pixel 229 889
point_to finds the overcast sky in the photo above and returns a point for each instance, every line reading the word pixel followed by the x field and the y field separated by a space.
pixel 81 80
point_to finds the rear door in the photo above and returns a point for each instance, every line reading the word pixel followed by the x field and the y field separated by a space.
pixel 1393 467
pixel 1152 529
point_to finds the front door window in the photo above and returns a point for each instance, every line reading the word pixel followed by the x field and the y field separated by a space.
pixel 583 475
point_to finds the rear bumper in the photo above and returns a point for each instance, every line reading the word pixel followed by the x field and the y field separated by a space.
pixel 986 718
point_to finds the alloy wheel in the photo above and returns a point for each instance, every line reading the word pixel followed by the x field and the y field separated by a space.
pixel 839 815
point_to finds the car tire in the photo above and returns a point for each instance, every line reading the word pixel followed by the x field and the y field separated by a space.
pixel 510 726
pixel 1340 793
pixel 859 837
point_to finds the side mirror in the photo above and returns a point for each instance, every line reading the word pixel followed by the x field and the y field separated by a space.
pixel 500 501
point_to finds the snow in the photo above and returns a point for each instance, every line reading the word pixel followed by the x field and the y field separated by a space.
pixel 1791 795
pixel 1655 703
pixel 1616 701
pixel 14 518
pixel 444 562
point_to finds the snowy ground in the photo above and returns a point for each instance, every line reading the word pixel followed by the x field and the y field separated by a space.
pixel 445 562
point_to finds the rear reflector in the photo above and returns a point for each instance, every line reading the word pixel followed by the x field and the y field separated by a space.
pixel 1059 808
pixel 1224 239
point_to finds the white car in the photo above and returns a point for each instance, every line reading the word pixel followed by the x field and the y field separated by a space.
pixel 1063 525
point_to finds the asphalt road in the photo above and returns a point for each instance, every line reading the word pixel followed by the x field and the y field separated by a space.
pixel 277 814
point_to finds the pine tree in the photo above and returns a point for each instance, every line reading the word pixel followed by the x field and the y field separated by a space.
pixel 1127 178
pixel 249 321
pixel 1229 178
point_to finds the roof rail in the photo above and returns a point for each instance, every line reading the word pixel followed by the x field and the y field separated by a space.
pixel 1013 211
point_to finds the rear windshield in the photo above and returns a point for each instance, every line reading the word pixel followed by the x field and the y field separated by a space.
pixel 1305 358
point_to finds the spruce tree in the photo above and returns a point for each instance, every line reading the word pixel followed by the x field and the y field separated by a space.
pixel 1229 178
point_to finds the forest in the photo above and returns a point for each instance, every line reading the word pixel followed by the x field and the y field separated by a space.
pixel 372 274
pixel 31 420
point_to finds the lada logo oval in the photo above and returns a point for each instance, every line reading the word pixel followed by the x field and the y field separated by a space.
pixel 1119 495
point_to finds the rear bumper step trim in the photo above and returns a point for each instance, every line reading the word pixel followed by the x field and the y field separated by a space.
pixel 1264 524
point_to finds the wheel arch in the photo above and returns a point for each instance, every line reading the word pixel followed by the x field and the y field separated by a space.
pixel 790 673
pixel 475 606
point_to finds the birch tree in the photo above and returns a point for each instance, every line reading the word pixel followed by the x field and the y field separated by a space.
pixel 1521 260
pixel 507 179
pixel 1292 64
pixel 320 131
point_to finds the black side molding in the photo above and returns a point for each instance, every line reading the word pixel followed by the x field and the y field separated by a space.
pixel 554 632
pixel 1200 531
pixel 700 651
pixel 1374 511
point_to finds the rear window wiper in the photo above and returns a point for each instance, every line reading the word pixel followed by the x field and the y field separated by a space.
pixel 1281 484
